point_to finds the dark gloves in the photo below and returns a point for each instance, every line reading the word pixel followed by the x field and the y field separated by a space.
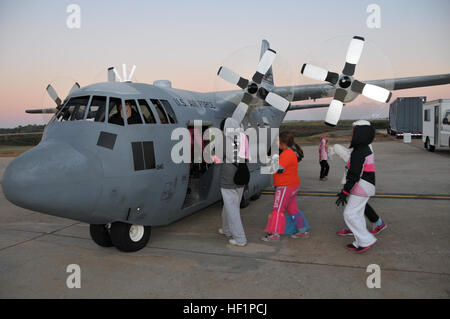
pixel 342 198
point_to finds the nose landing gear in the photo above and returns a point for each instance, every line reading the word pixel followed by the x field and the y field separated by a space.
pixel 125 237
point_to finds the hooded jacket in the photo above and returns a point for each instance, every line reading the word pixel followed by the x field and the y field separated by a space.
pixel 323 152
pixel 360 179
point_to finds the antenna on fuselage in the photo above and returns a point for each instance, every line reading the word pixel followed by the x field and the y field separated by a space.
pixel 113 74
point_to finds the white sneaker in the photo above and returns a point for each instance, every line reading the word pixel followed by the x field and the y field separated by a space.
pixel 222 233
pixel 235 243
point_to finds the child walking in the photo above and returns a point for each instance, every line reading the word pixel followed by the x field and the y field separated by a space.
pixel 323 159
pixel 287 183
pixel 359 186
pixel 378 224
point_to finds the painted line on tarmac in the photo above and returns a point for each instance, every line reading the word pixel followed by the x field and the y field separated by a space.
pixel 389 196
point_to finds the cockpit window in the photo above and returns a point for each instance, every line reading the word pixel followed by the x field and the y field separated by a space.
pixel 133 115
pixel 146 112
pixel 97 109
pixel 161 113
pixel 170 112
pixel 79 107
pixel 74 109
pixel 114 111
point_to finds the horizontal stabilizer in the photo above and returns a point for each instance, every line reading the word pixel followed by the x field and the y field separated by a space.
pixel 42 111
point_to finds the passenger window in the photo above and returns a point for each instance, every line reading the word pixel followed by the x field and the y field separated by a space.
pixel 97 109
pixel 74 109
pixel 170 112
pixel 115 111
pixel 159 109
pixel 146 112
pixel 133 116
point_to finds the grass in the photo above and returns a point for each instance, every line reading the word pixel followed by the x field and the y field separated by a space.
pixel 309 132
pixel 13 151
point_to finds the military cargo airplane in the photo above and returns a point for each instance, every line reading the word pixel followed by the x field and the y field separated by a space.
pixel 110 166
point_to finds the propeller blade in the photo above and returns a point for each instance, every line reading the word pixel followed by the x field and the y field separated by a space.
pixel 74 88
pixel 117 74
pixel 231 124
pixel 318 73
pixel 130 77
pixel 277 101
pixel 334 113
pixel 53 95
pixel 232 77
pixel 335 108
pixel 371 91
pixel 239 112
pixel 264 65
pixel 354 52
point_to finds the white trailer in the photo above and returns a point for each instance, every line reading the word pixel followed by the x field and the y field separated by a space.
pixel 436 126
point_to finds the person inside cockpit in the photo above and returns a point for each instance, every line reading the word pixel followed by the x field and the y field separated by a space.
pixel 133 116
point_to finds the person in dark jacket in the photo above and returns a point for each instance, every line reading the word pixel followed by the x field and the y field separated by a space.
pixel 133 117
pixel 232 194
pixel 359 186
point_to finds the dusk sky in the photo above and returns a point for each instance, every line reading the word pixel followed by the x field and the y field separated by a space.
pixel 187 41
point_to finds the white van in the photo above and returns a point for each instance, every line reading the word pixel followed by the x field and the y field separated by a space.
pixel 436 126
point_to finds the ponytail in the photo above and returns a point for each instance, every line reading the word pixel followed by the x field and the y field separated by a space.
pixel 288 139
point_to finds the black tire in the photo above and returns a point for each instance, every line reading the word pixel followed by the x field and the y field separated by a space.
pixel 122 238
pixel 245 201
pixel 432 148
pixel 256 196
pixel 100 235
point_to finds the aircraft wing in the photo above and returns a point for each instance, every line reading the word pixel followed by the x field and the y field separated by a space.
pixel 317 91
pixel 294 107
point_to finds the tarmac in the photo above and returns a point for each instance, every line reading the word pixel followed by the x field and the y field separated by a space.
pixel 189 259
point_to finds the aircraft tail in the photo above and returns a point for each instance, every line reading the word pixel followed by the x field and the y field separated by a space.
pixel 268 77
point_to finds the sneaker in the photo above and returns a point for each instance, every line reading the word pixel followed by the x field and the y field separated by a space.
pixel 222 233
pixel 235 243
pixel 301 235
pixel 344 232
pixel 363 249
pixel 358 249
pixel 378 229
pixel 324 179
pixel 270 238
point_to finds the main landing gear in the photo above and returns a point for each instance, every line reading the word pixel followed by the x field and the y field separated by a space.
pixel 125 237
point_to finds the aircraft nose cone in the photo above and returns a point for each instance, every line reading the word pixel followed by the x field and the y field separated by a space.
pixel 54 178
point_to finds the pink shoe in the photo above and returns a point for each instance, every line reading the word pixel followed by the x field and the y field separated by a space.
pixel 378 229
pixel 270 238
pixel 344 232
pixel 301 235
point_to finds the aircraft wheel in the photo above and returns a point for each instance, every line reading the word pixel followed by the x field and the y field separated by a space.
pixel 128 237
pixel 256 196
pixel 100 235
pixel 245 201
